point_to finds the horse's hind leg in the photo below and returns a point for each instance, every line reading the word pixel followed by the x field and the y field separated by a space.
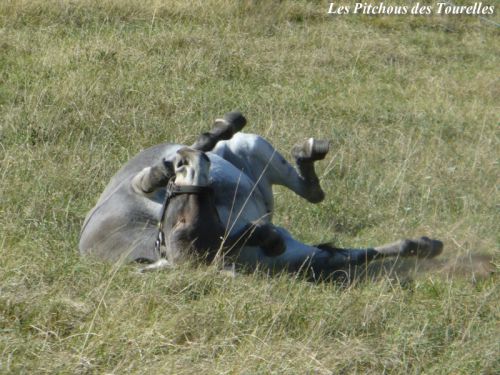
pixel 223 129
pixel 422 247
pixel 325 261
pixel 303 180
pixel 345 263
pixel 352 263
pixel 266 166
pixel 317 262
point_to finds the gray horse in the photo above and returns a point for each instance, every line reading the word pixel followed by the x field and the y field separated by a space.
pixel 220 203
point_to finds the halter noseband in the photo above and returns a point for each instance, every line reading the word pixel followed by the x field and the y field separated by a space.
pixel 172 191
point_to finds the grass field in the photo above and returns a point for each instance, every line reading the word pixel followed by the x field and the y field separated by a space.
pixel 411 105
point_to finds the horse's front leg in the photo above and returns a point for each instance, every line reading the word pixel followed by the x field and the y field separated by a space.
pixel 263 235
pixel 422 247
pixel 151 178
pixel 223 129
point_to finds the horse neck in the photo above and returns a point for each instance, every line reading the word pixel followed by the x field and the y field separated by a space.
pixel 192 209
pixel 193 221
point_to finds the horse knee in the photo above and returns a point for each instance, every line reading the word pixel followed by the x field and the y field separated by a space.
pixel 269 239
pixel 273 244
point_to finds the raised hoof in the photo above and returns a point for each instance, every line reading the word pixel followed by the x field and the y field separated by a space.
pixel 423 247
pixel 236 120
pixel 226 127
pixel 311 150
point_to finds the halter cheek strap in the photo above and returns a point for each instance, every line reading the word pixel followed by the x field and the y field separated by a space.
pixel 172 191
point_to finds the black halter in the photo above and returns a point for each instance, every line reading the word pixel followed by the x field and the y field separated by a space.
pixel 172 191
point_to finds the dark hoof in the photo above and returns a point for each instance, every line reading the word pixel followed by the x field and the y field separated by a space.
pixel 315 195
pixel 311 150
pixel 422 247
pixel 236 120
pixel 232 123
pixel 320 148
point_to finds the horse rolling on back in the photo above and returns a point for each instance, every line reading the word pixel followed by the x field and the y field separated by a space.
pixel 220 203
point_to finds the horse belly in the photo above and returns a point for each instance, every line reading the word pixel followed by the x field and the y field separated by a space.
pixel 237 198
